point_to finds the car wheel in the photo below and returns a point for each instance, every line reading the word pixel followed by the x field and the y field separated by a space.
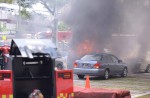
pixel 80 76
pixel 106 75
pixel 124 73
pixel 59 66
pixel 148 69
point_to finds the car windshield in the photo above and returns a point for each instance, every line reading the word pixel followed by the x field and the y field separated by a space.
pixel 92 57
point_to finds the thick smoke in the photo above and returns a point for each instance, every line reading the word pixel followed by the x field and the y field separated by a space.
pixel 122 26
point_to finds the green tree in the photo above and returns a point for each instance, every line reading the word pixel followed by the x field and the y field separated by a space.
pixel 62 26
pixel 25 14
pixel 6 1
pixel 24 4
pixel 52 6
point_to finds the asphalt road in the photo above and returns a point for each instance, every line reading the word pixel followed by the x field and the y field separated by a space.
pixel 137 83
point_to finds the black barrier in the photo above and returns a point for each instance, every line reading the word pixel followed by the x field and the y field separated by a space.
pixel 32 73
pixel 27 78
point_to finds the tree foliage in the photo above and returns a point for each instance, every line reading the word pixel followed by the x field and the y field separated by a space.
pixel 62 26
pixel 6 1
pixel 25 14
pixel 50 5
pixel 2 27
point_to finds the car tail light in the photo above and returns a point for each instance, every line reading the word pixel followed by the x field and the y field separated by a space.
pixel 97 65
pixel 75 64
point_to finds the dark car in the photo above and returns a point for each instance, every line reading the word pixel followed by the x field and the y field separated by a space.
pixel 61 60
pixel 103 64
pixel 143 65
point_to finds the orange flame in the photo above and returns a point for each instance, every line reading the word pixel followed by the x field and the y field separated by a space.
pixel 84 48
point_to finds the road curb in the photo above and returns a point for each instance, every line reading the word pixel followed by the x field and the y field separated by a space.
pixel 136 96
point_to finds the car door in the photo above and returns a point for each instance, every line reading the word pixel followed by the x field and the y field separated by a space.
pixel 110 65
pixel 117 65
pixel 104 62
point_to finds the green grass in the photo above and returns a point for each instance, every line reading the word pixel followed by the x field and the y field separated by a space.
pixel 128 83
pixel 136 84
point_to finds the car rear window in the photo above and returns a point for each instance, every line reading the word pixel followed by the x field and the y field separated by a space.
pixel 92 57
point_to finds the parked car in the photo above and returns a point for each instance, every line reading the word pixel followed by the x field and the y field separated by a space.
pixel 102 64
pixel 61 61
pixel 43 35
pixel 143 65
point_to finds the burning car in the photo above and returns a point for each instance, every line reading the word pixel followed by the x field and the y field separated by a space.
pixel 102 64
pixel 143 64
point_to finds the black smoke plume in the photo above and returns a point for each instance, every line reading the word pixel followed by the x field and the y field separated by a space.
pixel 121 26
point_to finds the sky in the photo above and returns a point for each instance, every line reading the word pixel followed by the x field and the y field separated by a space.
pixel 39 7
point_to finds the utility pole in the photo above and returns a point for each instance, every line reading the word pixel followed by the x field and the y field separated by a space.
pixel 19 21
pixel 19 18
pixel 55 24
